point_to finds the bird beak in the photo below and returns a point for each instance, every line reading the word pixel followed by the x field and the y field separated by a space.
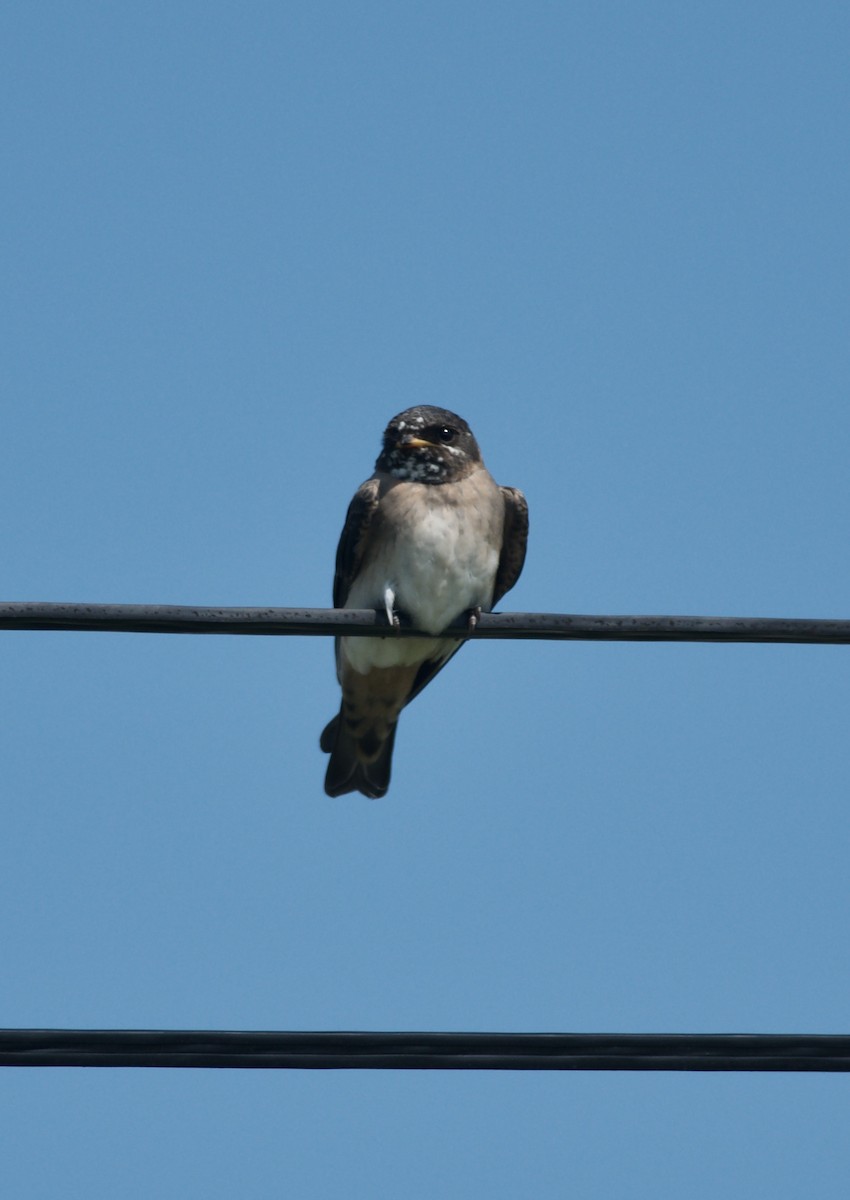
pixel 412 442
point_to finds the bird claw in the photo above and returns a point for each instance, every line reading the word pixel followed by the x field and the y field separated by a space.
pixel 472 621
pixel 389 609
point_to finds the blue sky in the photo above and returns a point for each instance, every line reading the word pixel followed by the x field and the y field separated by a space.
pixel 236 240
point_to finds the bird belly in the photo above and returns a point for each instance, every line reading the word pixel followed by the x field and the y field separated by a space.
pixel 438 568
pixel 365 654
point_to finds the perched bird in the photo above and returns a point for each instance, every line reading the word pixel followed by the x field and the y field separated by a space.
pixel 430 535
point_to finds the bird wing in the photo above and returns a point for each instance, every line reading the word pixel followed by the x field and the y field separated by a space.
pixel 353 539
pixel 514 542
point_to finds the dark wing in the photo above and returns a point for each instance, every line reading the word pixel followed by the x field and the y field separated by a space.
pixel 352 541
pixel 514 542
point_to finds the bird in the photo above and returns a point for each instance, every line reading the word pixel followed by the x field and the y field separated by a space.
pixel 432 536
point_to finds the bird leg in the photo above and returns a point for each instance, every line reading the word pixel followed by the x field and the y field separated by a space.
pixel 474 615
pixel 389 602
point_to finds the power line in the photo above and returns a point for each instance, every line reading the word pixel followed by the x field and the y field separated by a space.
pixel 420 1051
pixel 424 1051
pixel 159 618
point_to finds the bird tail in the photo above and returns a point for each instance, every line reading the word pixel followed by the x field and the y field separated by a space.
pixel 360 764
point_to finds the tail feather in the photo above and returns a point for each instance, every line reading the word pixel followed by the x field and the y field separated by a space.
pixel 356 764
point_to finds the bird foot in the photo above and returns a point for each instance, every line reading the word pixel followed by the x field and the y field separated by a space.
pixel 392 615
pixel 474 616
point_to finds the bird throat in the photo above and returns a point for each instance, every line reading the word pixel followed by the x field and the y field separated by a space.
pixel 424 464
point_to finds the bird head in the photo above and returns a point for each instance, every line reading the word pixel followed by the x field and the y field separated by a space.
pixel 428 445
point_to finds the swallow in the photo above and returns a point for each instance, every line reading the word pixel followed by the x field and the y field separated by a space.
pixel 430 535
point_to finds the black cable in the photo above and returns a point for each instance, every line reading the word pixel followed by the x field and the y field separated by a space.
pixel 158 618
pixel 425 1051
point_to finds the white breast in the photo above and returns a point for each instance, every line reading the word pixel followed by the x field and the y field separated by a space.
pixel 439 552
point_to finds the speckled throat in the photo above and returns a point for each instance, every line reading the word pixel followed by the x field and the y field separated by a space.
pixel 420 464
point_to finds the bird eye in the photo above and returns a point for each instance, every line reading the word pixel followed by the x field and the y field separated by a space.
pixel 446 434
